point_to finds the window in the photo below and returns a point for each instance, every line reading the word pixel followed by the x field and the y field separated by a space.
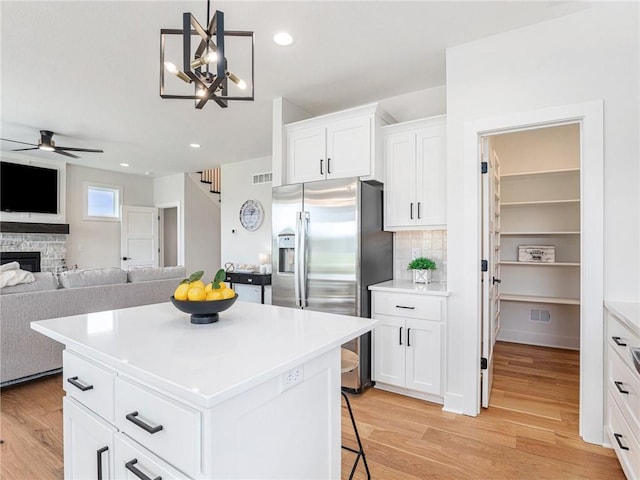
pixel 102 202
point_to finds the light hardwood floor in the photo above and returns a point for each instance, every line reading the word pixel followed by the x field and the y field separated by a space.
pixel 530 430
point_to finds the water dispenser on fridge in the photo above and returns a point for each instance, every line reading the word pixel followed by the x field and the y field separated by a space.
pixel 286 253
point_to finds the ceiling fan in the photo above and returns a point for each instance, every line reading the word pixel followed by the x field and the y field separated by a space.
pixel 47 144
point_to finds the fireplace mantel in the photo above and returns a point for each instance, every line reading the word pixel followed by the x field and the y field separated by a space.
pixel 28 227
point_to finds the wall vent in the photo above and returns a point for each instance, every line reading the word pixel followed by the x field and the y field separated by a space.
pixel 259 178
pixel 539 315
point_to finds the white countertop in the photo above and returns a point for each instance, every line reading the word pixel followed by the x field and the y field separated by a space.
pixel 204 364
pixel 407 286
pixel 628 312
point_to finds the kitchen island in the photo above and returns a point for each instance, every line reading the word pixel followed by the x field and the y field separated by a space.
pixel 255 395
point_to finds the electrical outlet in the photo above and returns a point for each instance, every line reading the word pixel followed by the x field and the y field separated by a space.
pixel 415 253
pixel 291 378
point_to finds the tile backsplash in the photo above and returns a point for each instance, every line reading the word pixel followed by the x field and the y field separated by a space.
pixel 426 243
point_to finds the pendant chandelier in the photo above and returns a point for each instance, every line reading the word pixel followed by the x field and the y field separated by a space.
pixel 205 66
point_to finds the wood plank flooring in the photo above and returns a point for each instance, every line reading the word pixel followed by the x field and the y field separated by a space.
pixel 530 430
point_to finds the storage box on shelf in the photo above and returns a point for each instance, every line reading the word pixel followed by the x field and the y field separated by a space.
pixel 622 379
pixel 415 174
pixel 339 145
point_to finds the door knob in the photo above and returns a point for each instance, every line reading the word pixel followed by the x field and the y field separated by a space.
pixel 126 258
pixel 496 280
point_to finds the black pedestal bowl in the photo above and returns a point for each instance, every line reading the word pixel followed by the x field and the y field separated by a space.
pixel 205 311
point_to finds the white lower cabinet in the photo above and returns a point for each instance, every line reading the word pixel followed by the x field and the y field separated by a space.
pixel 408 343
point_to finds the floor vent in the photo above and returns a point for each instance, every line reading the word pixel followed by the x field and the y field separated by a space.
pixel 259 178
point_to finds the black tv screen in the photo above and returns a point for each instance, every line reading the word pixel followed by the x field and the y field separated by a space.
pixel 24 188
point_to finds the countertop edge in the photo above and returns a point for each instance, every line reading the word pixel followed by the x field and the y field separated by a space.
pixel 622 311
pixel 383 287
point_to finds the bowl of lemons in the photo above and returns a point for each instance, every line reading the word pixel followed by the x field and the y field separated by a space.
pixel 203 301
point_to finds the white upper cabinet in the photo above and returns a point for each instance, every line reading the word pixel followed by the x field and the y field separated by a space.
pixel 338 145
pixel 415 166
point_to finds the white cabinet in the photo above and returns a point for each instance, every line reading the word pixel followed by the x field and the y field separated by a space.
pixel 407 355
pixel 623 388
pixel 133 462
pixel 338 145
pixel 415 174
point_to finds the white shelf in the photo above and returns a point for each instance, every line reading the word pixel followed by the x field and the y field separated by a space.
pixel 540 172
pixel 533 299
pixel 541 264
pixel 540 233
pixel 538 202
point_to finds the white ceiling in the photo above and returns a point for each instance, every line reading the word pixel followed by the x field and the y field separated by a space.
pixel 89 71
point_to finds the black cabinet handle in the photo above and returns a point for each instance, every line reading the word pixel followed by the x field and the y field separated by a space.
pixel 130 465
pixel 408 337
pixel 133 417
pixel 321 172
pixel 418 210
pixel 411 211
pixel 619 342
pixel 407 308
pixel 99 453
pixel 617 436
pixel 329 166
pixel 74 381
pixel 400 336
pixel 619 387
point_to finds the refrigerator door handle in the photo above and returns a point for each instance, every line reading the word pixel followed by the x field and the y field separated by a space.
pixel 296 259
pixel 304 222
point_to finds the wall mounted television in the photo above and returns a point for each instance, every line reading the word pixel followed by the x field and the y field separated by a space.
pixel 25 188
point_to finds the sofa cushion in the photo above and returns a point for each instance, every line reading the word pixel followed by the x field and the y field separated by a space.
pixel 91 278
pixel 145 274
pixel 43 281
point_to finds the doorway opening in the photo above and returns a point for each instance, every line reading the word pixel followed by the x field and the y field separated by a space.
pixel 169 237
pixel 531 290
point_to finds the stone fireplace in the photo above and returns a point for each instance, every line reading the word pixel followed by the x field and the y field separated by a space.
pixel 29 261
pixel 30 240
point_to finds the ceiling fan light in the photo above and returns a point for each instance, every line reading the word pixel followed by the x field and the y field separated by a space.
pixel 46 148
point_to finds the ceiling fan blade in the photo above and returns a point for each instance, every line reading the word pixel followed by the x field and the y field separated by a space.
pixel 61 152
pixel 23 149
pixel 72 149
pixel 16 141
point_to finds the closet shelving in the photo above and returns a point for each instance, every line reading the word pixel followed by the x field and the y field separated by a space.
pixel 541 208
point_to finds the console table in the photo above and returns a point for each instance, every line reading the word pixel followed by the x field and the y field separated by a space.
pixel 262 279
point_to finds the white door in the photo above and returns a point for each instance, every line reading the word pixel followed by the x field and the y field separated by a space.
pixel 400 186
pixel 389 358
pixel 138 237
pixel 423 341
pixel 306 155
pixel 349 148
pixel 490 253
pixel 88 443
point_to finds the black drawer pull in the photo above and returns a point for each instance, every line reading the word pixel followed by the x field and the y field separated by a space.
pixel 99 453
pixel 131 467
pixel 74 381
pixel 133 417
pixel 619 386
pixel 619 342
pixel 617 436
pixel 407 308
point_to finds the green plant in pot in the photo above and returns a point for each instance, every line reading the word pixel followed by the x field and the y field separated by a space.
pixel 422 268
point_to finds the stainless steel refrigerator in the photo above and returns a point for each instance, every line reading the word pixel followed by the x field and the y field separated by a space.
pixel 328 247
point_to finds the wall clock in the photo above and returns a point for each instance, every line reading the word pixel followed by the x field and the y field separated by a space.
pixel 251 215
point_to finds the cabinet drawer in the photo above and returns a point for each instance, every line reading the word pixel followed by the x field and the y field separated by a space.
pixel 167 428
pixel 408 305
pixel 624 386
pixel 622 340
pixel 131 459
pixel 623 441
pixel 89 383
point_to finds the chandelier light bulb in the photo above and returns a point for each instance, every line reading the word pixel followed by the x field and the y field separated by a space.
pixel 237 80
pixel 171 68
pixel 211 57
pixel 201 92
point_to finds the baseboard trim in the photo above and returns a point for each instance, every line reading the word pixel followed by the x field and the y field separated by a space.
pixel 540 339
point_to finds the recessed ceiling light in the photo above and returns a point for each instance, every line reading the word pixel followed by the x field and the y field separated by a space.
pixel 283 39
pixel 124 164
pixel 194 145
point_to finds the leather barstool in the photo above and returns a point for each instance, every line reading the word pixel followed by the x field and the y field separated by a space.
pixel 348 362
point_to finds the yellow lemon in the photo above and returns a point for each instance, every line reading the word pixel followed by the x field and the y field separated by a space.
pixel 181 291
pixel 228 293
pixel 196 294
pixel 223 285
pixel 214 295
pixel 208 287
pixel 197 283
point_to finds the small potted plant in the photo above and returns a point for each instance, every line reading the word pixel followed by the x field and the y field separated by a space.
pixel 422 268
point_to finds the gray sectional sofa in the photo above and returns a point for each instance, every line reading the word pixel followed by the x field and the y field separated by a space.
pixel 26 354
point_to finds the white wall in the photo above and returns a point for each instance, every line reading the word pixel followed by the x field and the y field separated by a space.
pixel 96 244
pixel 244 246
pixel 416 105
pixel 169 191
pixel 583 57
